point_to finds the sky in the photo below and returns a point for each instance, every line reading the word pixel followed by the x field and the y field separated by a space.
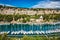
pixel 32 3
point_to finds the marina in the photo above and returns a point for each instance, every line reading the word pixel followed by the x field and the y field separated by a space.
pixel 27 29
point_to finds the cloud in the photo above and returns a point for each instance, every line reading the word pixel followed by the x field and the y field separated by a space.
pixel 7 5
pixel 47 4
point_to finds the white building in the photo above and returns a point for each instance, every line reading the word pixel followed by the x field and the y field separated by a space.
pixel 40 19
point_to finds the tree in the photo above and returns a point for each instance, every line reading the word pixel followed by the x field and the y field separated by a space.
pixel 1 17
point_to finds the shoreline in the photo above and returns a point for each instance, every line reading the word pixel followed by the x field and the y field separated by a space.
pixel 30 23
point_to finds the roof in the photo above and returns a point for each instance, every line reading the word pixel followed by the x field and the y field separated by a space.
pixel 41 16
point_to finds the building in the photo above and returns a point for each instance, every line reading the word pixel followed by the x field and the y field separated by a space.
pixel 40 19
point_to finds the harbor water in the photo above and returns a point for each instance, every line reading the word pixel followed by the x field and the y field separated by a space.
pixel 29 29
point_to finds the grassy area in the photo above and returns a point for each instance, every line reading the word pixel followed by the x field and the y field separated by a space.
pixel 5 37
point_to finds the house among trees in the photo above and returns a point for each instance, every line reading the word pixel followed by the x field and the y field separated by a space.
pixel 40 19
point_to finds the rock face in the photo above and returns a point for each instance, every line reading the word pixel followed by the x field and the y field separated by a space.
pixel 27 11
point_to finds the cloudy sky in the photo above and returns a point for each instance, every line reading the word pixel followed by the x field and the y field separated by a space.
pixel 32 3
